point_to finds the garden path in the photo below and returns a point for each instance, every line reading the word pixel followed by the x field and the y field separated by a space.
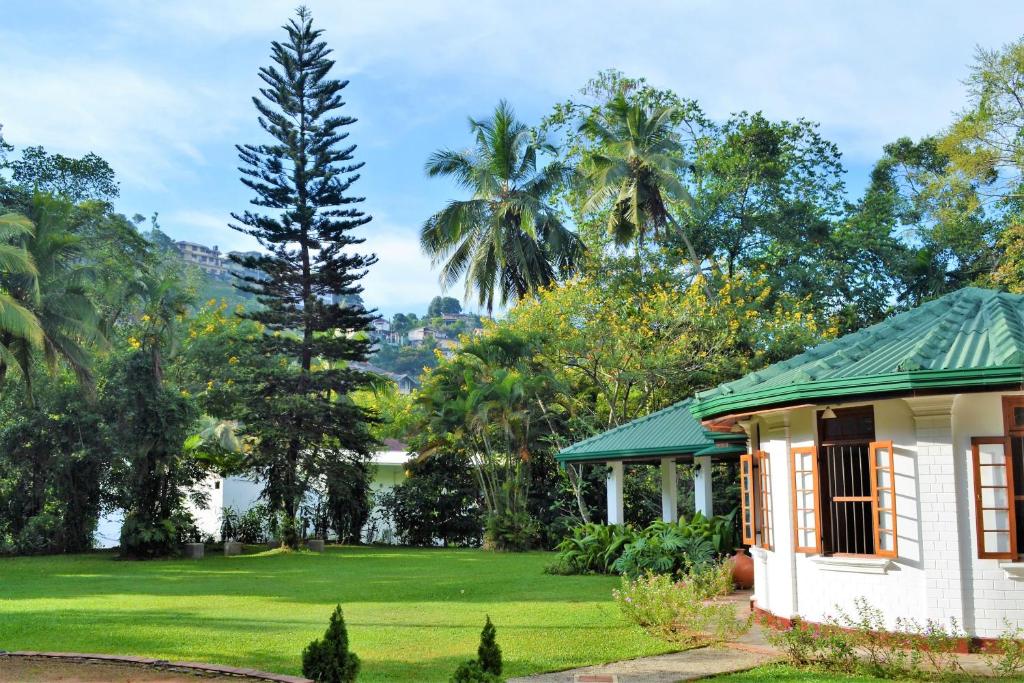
pixel 750 651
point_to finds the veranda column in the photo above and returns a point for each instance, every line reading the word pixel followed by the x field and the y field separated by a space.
pixel 669 490
pixel 702 498
pixel 614 482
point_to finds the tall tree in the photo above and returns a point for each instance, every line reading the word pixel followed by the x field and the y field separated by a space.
pixel 57 293
pixel 506 239
pixel 17 323
pixel 299 408
pixel 76 180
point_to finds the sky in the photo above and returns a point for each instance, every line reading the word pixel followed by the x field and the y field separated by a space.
pixel 162 90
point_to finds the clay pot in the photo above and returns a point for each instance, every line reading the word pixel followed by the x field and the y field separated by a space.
pixel 742 569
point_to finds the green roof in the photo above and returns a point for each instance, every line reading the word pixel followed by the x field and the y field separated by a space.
pixel 670 431
pixel 970 338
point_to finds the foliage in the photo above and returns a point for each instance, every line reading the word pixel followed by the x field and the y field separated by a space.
pixel 441 305
pixel 74 180
pixel 1006 656
pixel 294 400
pixel 864 643
pixel 56 461
pixel 665 551
pixel 486 668
pixel 254 525
pixel 506 239
pixel 489 653
pixel 471 672
pixel 662 547
pixel 328 660
pixel 514 531
pixel 438 501
pixel 490 404
pixel 592 548
pixel 681 611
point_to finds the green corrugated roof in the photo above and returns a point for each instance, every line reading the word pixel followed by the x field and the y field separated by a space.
pixel 670 431
pixel 970 338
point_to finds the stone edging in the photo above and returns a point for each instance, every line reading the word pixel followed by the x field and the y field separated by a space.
pixel 189 667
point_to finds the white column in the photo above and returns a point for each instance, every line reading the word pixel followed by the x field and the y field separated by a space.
pixel 669 490
pixel 702 485
pixel 614 482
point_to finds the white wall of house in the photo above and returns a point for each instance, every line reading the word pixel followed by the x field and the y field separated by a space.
pixel 242 493
pixel 937 573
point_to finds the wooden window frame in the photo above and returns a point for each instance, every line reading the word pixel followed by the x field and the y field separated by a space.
pixel 764 499
pixel 748 519
pixel 1013 430
pixel 873 449
pixel 979 511
pixel 815 497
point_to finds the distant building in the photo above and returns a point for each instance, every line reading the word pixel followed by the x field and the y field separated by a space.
pixel 202 256
pixel 405 383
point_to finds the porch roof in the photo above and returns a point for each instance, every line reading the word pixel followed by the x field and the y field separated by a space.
pixel 967 339
pixel 670 431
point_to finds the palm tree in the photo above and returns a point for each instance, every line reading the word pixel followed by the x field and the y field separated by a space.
pixel 17 323
pixel 55 292
pixel 636 168
pixel 505 238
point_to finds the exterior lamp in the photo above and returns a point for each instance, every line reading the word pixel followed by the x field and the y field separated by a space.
pixel 828 414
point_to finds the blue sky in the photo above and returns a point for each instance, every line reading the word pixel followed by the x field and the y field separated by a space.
pixel 162 89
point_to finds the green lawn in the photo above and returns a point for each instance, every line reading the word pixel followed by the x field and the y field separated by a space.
pixel 780 673
pixel 413 615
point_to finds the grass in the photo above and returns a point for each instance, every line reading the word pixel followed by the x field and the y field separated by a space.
pixel 413 615
pixel 781 673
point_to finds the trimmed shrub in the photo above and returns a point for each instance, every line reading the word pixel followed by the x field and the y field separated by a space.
pixel 489 654
pixel 486 668
pixel 328 660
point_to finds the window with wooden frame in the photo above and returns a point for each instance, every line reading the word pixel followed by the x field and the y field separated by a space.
pixel 998 466
pixel 756 500
pixel 854 488
pixel 765 499
pixel 748 526
pixel 806 513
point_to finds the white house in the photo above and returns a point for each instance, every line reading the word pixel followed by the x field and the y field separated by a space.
pixel 887 464
pixel 242 493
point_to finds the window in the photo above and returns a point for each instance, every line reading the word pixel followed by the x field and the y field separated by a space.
pixel 756 500
pixel 806 520
pixel 998 463
pixel 765 499
pixel 993 497
pixel 845 492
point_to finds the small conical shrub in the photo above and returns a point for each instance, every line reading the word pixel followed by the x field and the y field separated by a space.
pixel 489 654
pixel 486 668
pixel 328 660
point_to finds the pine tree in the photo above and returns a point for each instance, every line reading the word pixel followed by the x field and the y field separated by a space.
pixel 296 400
pixel 489 654
pixel 328 660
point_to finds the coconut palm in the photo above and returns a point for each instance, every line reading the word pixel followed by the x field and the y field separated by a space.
pixel 17 322
pixel 505 239
pixel 634 172
pixel 55 292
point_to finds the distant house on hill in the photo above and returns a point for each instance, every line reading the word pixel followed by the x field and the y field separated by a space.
pixel 207 259
pixel 405 383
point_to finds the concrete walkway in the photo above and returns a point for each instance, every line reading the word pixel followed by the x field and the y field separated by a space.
pixel 747 652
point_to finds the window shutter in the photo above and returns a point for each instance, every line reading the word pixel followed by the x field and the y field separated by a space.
pixel 883 497
pixel 993 498
pixel 806 513
pixel 765 502
pixel 747 499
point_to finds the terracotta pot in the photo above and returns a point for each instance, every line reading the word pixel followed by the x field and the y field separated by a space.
pixel 742 569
